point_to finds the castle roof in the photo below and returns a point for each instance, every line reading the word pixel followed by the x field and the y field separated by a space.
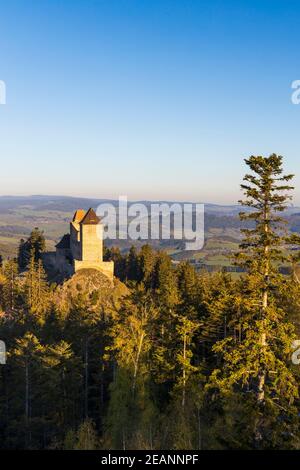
pixel 64 242
pixel 90 218
pixel 78 216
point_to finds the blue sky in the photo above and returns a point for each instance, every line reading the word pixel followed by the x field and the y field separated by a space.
pixel 154 99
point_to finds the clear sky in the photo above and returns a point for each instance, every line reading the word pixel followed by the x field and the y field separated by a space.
pixel 154 99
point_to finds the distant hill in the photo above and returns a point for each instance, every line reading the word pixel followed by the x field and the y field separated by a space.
pixel 20 214
pixel 70 203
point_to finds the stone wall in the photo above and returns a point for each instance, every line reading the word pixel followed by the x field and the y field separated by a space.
pixel 106 267
pixel 75 245
pixel 91 242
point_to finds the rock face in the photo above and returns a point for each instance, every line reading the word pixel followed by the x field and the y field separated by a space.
pixel 91 285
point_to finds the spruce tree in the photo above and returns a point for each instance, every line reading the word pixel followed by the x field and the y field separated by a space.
pixel 257 364
pixel 131 411
pixel 11 288
pixel 132 269
pixel 25 398
pixel 35 244
pixel 36 289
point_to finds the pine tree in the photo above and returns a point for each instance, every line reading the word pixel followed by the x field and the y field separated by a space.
pixel 34 245
pixel 87 438
pixel 115 255
pixel 83 330
pixel 256 365
pixel 62 386
pixel 131 411
pixel 36 289
pixel 182 422
pixel 23 254
pixel 11 288
pixel 147 258
pixel 187 283
pixel 185 328
pixel 165 282
pixel 131 332
pixel 132 269
pixel 26 365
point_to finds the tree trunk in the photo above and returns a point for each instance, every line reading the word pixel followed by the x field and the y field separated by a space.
pixel 199 431
pixel 183 371
pixel 26 393
pixel 263 338
pixel 27 404
pixel 86 378
pixel 136 362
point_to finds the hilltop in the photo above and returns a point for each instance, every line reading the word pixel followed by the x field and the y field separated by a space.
pixel 91 285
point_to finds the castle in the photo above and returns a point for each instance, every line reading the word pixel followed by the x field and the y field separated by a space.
pixel 82 248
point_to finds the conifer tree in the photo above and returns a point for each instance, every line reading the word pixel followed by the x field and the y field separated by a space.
pixel 23 254
pixel 34 245
pixel 131 333
pixel 26 359
pixel 11 287
pixel 132 269
pixel 165 282
pixel 186 328
pixel 187 283
pixel 257 364
pixel 131 340
pixel 146 263
pixel 37 242
pixel 183 412
pixel 36 289
pixel 82 329
pixel 62 386
pixel 87 438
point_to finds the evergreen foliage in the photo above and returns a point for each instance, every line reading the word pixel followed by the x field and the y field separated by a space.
pixel 178 359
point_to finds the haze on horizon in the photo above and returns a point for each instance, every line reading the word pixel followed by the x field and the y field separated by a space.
pixel 155 100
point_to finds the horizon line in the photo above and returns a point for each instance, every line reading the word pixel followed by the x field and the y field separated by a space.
pixel 129 200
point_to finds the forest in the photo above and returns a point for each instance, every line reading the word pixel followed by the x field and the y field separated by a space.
pixel 167 357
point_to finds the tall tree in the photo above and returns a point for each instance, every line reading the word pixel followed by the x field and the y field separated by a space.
pixel 132 270
pixel 36 289
pixel 35 244
pixel 165 282
pixel 130 408
pixel 146 263
pixel 10 288
pixel 187 283
pixel 257 364
pixel 26 360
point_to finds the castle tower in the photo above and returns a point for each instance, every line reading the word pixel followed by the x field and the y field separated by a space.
pixel 91 237
pixel 88 254
pixel 75 244
pixel 83 247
